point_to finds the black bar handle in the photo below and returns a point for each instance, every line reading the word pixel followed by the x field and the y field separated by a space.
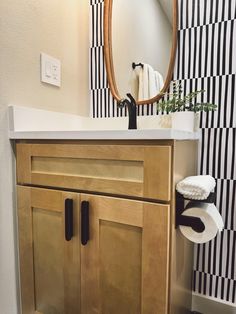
pixel 84 222
pixel 68 219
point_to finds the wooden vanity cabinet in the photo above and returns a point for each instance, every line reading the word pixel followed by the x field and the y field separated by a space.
pixel 125 264
pixel 49 265
pixel 134 261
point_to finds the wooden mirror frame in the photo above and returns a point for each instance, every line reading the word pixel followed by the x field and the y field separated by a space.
pixel 107 29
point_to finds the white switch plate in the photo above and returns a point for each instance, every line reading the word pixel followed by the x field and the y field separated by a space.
pixel 50 70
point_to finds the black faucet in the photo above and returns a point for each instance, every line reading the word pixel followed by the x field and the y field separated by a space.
pixel 132 110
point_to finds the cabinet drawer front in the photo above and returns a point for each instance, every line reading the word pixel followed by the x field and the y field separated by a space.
pixel 142 171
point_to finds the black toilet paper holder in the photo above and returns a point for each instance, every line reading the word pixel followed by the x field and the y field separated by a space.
pixel 183 220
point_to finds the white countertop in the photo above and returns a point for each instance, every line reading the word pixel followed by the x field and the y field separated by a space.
pixel 163 134
pixel 29 123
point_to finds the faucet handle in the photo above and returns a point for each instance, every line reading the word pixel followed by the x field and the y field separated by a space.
pixel 132 100
pixel 121 103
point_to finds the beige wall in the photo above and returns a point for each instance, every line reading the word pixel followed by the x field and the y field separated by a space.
pixel 59 28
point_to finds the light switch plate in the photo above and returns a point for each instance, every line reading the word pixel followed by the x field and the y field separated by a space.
pixel 50 70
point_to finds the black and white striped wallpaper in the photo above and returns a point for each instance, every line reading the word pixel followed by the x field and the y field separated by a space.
pixel 206 59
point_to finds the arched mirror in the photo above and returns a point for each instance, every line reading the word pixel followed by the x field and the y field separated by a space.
pixel 140 46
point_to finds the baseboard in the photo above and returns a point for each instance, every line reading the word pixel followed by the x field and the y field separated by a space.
pixel 209 305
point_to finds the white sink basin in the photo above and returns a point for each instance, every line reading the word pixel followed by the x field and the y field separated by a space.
pixel 31 119
pixel 31 123
pixel 143 123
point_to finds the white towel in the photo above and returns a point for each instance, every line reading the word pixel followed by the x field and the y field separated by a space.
pixel 196 187
pixel 134 83
pixel 150 82
pixel 159 82
pixel 143 92
pixel 147 82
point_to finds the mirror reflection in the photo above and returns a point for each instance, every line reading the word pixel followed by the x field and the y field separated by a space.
pixel 141 46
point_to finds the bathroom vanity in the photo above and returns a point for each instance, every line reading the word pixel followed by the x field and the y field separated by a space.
pixel 133 259
pixel 96 220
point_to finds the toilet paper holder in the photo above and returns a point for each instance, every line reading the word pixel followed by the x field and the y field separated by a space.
pixel 194 222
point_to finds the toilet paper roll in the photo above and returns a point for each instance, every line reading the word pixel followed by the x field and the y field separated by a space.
pixel 211 218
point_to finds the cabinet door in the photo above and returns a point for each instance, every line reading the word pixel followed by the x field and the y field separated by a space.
pixel 124 265
pixel 49 264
